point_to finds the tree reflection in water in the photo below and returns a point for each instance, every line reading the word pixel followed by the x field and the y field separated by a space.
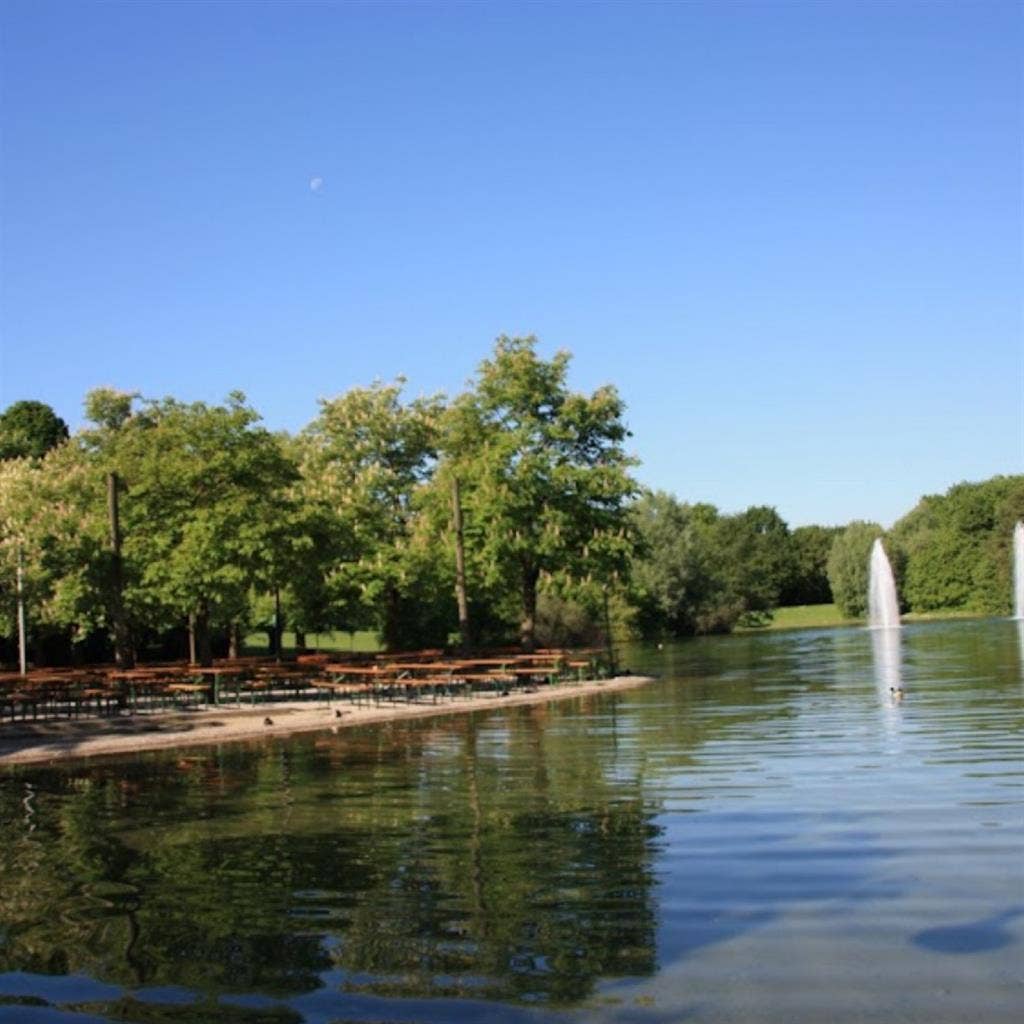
pixel 460 858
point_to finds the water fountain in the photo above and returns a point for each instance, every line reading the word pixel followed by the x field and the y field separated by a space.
pixel 887 657
pixel 1018 571
pixel 883 605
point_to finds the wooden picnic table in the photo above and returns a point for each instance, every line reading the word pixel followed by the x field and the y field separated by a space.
pixel 430 652
pixel 216 675
pixel 360 670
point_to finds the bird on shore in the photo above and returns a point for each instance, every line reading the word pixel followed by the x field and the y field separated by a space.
pixel 268 721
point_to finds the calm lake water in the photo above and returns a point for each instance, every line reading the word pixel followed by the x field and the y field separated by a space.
pixel 762 835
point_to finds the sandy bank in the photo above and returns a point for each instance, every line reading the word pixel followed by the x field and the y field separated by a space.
pixel 61 740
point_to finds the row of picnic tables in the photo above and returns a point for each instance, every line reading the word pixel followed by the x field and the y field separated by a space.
pixel 387 677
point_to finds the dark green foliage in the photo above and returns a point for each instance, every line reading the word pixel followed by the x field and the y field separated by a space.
pixel 752 551
pixel 28 430
pixel 565 623
pixel 808 580
pixel 848 566
pixel 956 546
pixel 671 578
pixel 701 572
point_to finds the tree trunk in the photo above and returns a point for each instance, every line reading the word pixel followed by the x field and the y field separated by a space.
pixel 393 629
pixel 527 628
pixel 124 654
pixel 300 639
pixel 278 625
pixel 460 568
pixel 20 586
pixel 199 647
pixel 609 642
pixel 234 640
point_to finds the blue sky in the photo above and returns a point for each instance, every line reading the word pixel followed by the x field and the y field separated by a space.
pixel 790 233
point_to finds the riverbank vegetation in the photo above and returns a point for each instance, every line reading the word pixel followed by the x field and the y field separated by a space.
pixel 506 514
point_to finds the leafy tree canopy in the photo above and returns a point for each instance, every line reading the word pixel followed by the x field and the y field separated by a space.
pixel 544 475
pixel 808 581
pixel 364 461
pixel 29 429
pixel 207 507
pixel 848 566
pixel 956 546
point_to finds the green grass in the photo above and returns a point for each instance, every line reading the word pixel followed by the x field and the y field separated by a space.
pixel 943 613
pixel 361 641
pixel 804 616
pixel 823 616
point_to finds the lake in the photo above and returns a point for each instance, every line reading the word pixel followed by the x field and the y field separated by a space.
pixel 766 833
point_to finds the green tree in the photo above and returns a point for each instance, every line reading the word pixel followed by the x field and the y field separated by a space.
pixel 754 558
pixel 544 478
pixel 55 514
pixel 808 580
pixel 956 546
pixel 672 585
pixel 29 429
pixel 207 509
pixel 21 542
pixel 109 410
pixel 848 566
pixel 364 460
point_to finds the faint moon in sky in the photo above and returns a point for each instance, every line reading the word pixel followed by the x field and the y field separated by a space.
pixel 316 184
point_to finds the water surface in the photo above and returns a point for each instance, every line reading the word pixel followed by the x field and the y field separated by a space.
pixel 768 833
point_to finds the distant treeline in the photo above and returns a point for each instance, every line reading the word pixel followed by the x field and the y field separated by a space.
pixel 165 527
pixel 952 551
pixel 700 571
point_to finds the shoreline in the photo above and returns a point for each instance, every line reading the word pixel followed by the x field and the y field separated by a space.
pixel 62 740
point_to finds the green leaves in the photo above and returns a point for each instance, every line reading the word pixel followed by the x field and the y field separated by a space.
pixel 956 546
pixel 700 571
pixel 207 506
pixel 848 567
pixel 350 521
pixel 365 461
pixel 28 430
pixel 544 477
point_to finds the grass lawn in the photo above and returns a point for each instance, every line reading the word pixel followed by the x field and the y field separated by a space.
pixel 822 616
pixel 359 641
pixel 949 613
pixel 804 616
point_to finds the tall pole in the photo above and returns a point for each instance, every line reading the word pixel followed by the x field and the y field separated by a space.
pixel 278 632
pixel 460 565
pixel 608 635
pixel 192 654
pixel 22 654
pixel 123 654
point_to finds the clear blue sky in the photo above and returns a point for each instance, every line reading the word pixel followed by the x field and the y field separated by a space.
pixel 790 233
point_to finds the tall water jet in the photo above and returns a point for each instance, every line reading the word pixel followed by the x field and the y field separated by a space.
pixel 883 605
pixel 1018 570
